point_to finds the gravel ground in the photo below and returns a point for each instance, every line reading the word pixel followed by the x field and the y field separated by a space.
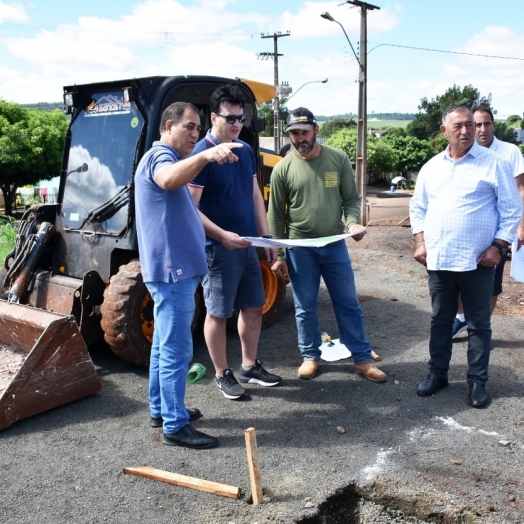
pixel 401 458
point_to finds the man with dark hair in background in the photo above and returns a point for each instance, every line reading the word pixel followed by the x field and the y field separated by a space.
pixel 231 207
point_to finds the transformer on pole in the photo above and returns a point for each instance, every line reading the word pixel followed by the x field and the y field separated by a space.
pixel 276 101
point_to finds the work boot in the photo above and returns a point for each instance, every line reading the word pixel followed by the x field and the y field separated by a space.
pixel 308 369
pixel 371 372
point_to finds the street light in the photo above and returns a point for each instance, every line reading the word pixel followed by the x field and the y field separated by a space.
pixel 361 161
pixel 311 82
pixel 327 16
pixel 287 99
pixel 80 169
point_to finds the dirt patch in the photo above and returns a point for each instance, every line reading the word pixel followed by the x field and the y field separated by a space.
pixel 394 235
pixel 11 360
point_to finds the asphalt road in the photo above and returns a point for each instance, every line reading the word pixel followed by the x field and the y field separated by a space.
pixel 385 204
pixel 334 449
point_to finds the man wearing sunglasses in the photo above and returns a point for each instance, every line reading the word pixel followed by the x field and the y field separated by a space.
pixel 231 206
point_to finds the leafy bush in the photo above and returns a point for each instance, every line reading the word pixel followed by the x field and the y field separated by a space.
pixel 7 236
pixel 331 126
pixel 381 156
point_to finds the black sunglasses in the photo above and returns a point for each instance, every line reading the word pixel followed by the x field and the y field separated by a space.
pixel 231 119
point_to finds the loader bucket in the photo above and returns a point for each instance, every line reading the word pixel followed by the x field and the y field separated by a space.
pixel 44 362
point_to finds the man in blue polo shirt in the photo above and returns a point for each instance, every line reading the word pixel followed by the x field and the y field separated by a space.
pixel 171 243
pixel 231 206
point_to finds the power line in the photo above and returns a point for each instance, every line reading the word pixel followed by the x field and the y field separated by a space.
pixel 448 52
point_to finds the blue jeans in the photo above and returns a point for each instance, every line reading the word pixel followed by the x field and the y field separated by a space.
pixel 475 288
pixel 172 350
pixel 306 265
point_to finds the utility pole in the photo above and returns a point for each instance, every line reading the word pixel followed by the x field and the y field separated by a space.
pixel 362 149
pixel 276 101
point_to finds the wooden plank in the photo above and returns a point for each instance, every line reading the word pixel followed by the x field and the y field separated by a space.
pixel 186 482
pixel 254 469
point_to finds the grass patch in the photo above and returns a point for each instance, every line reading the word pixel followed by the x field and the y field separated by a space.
pixel 7 236
pixel 386 124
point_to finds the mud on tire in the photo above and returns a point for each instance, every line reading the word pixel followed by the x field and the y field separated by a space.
pixel 127 315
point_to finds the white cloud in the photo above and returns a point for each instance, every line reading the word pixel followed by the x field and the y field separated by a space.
pixel 215 37
pixel 70 49
pixel 502 77
pixel 13 12
pixel 308 24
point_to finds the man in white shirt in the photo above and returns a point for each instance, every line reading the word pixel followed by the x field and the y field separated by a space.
pixel 485 136
pixel 464 210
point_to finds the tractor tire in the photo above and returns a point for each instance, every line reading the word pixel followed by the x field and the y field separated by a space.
pixel 127 315
pixel 275 291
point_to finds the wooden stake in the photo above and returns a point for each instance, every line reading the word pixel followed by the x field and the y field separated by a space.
pixel 254 470
pixel 187 482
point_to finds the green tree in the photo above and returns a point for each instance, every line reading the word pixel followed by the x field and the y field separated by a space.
pixel 412 152
pixel 505 133
pixel 267 113
pixel 426 124
pixel 521 147
pixel 438 143
pixel 345 139
pixel 396 131
pixel 331 126
pixel 514 120
pixel 31 144
pixel 381 158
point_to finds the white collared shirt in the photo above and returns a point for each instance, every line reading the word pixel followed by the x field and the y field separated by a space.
pixel 509 152
pixel 462 206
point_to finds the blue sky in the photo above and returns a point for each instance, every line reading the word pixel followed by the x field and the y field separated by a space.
pixel 45 45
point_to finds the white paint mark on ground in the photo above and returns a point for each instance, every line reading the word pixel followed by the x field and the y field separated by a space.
pixel 372 471
pixel 453 424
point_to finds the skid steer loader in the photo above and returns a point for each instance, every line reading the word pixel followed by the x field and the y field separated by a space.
pixel 74 275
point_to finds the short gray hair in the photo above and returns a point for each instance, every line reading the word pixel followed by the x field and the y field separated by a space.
pixel 456 108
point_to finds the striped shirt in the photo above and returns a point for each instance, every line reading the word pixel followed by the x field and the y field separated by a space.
pixel 462 206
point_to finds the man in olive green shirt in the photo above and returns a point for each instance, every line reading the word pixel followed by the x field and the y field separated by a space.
pixel 311 188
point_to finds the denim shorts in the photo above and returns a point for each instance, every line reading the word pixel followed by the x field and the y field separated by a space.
pixel 234 280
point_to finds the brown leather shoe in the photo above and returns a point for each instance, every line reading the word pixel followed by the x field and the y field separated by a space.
pixel 308 369
pixel 371 372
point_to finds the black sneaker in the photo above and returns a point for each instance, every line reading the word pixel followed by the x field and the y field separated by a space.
pixel 258 375
pixel 229 386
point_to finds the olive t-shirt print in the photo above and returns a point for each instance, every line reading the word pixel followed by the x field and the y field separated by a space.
pixel 331 179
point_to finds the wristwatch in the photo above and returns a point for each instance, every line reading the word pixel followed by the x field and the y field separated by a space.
pixel 503 250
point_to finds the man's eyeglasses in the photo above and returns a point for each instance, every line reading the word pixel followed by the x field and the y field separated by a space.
pixel 231 119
